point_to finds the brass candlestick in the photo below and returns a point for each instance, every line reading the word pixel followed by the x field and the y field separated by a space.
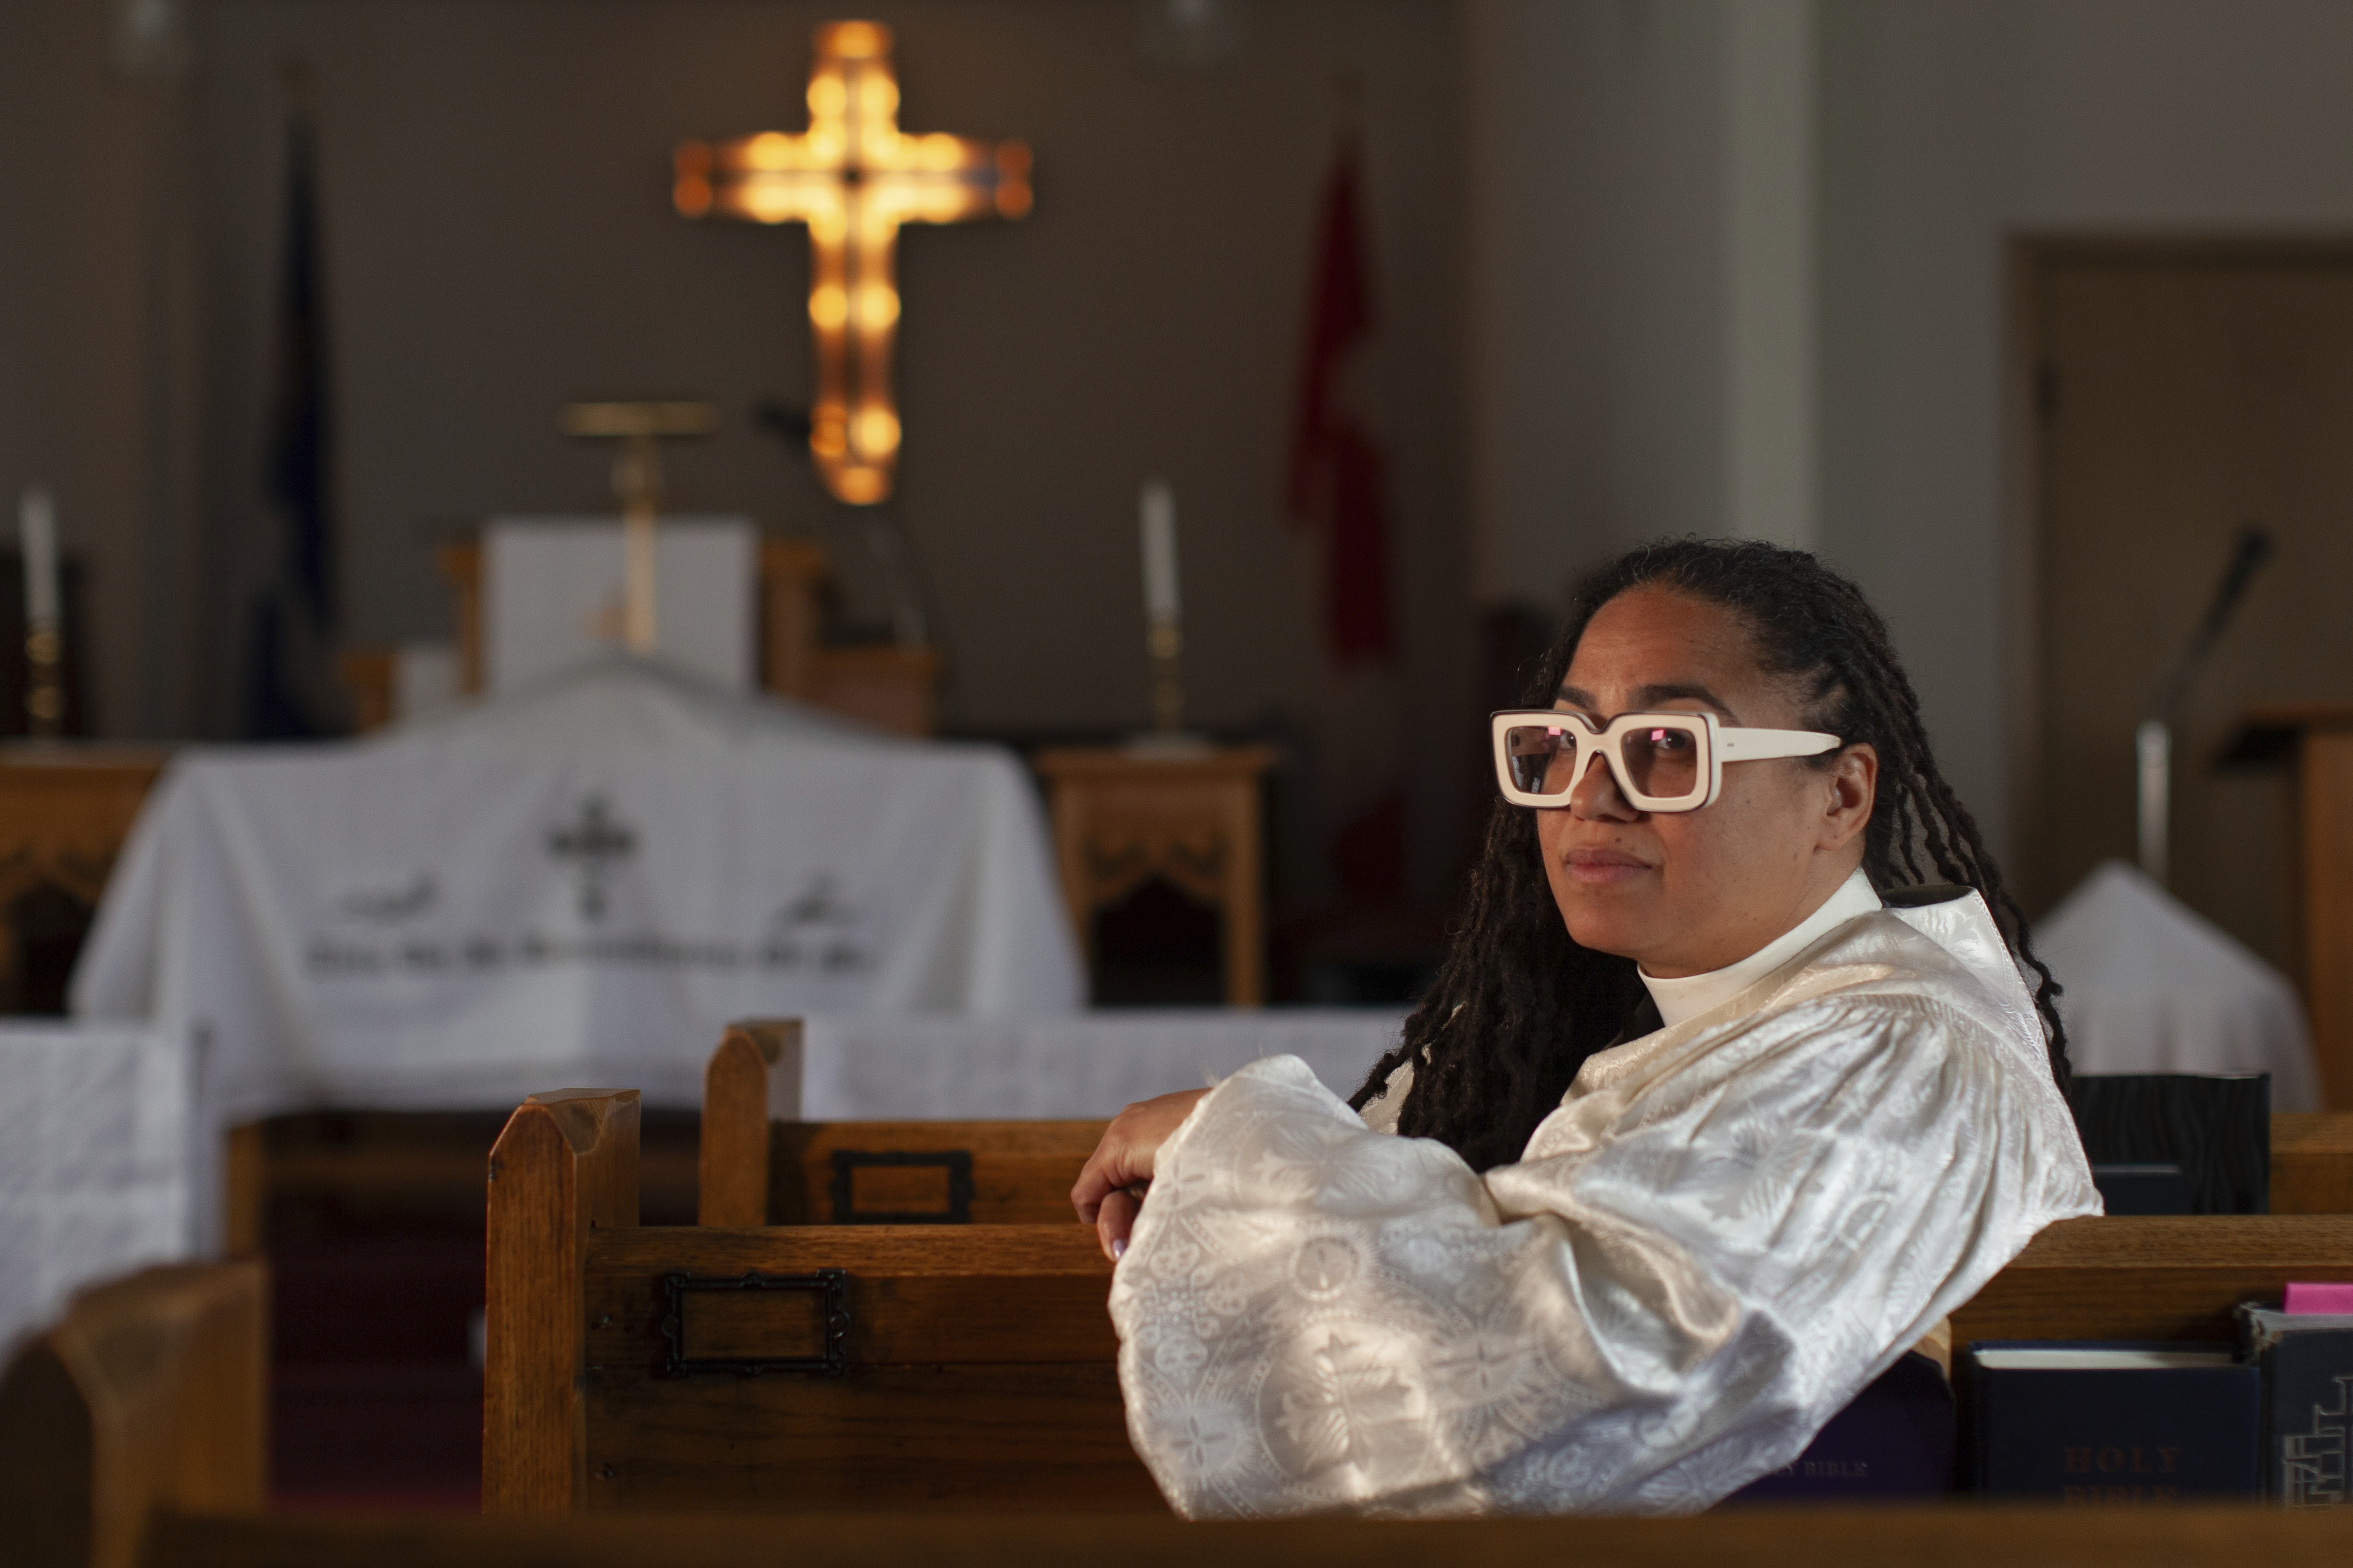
pixel 1165 643
pixel 637 481
pixel 45 687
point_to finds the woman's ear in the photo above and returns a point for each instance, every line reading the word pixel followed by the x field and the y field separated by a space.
pixel 1852 790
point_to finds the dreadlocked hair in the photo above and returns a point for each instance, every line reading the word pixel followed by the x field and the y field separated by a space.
pixel 1518 1005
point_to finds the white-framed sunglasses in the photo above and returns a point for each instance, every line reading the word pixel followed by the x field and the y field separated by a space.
pixel 1662 762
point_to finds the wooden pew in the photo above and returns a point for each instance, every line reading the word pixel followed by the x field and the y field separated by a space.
pixel 975 1365
pixel 836 1367
pixel 1953 1535
pixel 762 1165
pixel 2312 1164
pixel 2170 1278
pixel 132 1434
pixel 147 1394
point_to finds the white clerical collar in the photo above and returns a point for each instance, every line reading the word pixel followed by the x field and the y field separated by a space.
pixel 1695 993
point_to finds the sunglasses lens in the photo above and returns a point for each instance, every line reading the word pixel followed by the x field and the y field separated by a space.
pixel 1662 759
pixel 1541 758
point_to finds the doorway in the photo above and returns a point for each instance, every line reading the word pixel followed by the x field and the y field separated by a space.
pixel 2180 391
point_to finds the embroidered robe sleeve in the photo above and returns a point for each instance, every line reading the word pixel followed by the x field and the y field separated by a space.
pixel 1689 1273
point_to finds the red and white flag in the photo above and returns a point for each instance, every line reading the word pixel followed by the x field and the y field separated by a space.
pixel 1336 493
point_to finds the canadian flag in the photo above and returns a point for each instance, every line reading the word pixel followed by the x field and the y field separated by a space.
pixel 1335 492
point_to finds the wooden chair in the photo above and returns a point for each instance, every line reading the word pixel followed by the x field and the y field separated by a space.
pixel 149 1392
pixel 763 1165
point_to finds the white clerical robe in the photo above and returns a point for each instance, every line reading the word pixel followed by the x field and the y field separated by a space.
pixel 1729 1228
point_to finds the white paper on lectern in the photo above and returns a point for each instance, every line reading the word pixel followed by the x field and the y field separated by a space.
pixel 552 593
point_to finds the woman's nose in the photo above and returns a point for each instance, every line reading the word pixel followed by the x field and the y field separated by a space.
pixel 1595 794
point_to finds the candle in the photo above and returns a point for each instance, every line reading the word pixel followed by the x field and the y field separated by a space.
pixel 1160 518
pixel 37 537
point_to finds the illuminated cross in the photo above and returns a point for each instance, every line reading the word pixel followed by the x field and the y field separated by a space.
pixel 854 178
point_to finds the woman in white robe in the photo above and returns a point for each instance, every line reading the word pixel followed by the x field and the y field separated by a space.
pixel 1693 1136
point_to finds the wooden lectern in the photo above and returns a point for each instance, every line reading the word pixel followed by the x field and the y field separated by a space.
pixel 2316 739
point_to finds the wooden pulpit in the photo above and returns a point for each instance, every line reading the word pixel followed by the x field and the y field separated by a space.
pixel 2316 739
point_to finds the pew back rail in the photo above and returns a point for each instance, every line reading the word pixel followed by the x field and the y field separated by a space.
pixel 762 1165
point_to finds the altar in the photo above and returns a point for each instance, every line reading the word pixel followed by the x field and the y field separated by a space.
pixel 580 883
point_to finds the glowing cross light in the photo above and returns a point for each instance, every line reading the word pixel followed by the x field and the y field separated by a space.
pixel 853 177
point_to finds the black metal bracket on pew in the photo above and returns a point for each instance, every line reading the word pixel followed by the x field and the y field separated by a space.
pixel 957 1163
pixel 830 1287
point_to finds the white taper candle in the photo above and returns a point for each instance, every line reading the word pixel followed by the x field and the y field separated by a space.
pixel 1159 521
pixel 36 538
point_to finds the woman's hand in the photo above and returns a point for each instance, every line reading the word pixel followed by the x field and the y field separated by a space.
pixel 1110 1187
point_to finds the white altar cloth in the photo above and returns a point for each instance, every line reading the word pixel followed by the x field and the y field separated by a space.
pixel 2151 987
pixel 97 1156
pixel 581 883
pixel 927 1069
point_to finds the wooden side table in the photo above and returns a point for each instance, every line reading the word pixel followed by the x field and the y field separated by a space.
pixel 1122 817
pixel 65 811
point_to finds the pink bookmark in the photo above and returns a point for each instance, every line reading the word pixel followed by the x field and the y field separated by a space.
pixel 2304 1300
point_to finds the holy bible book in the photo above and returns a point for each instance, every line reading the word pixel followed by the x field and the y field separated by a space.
pixel 1895 1440
pixel 2091 1424
pixel 2306 1363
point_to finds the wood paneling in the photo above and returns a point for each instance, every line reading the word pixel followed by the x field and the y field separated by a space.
pixel 2325 790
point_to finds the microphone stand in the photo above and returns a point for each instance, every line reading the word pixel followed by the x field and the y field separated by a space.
pixel 2153 740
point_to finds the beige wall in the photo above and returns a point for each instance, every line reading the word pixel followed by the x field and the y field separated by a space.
pixel 498 242
pixel 1951 126
pixel 96 311
pixel 1602 355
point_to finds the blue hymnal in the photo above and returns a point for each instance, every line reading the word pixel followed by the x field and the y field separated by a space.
pixel 2108 1423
